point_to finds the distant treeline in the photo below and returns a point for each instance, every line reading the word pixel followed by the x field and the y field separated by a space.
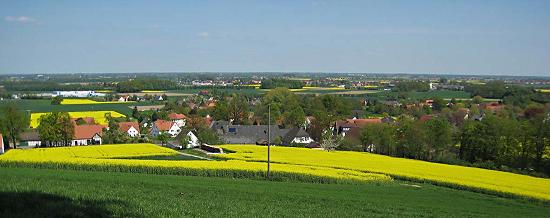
pixel 48 86
pixel 511 94
pixel 138 85
pixel 408 86
pixel 285 83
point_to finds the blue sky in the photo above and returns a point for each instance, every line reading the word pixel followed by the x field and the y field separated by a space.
pixel 442 36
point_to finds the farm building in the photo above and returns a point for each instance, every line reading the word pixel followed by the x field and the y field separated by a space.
pixel 31 138
pixel 87 135
pixel 130 128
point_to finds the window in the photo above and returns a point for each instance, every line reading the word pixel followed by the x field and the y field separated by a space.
pixel 232 129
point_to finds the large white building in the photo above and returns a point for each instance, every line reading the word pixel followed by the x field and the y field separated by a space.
pixel 77 94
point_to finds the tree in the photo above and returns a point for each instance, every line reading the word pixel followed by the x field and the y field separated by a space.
pixel 13 122
pixel 237 109
pixel 330 142
pixel 439 137
pixel 163 138
pixel 135 113
pixel 113 135
pixel 477 99
pixel 439 104
pixel 285 108
pixel 57 100
pixel 184 141
pixel 56 128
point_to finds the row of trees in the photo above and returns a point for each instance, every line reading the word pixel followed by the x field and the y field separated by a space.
pixel 494 142
pixel 281 83
pixel 138 85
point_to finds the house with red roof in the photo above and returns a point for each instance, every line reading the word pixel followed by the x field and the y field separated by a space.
pixel 130 128
pixel 87 135
pixel 165 126
pixel 179 119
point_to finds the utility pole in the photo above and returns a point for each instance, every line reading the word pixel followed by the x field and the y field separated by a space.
pixel 268 140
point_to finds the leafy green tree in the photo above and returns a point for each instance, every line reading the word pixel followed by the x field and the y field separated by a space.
pixel 57 100
pixel 184 141
pixel 330 142
pixel 285 108
pixel 13 122
pixel 163 138
pixel 237 109
pixel 56 128
pixel 439 132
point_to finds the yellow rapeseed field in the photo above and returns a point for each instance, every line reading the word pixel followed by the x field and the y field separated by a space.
pixel 99 116
pixel 106 155
pixel 88 101
pixel 152 91
pixel 300 161
pixel 476 178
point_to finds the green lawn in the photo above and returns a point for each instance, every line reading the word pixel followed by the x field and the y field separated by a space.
pixel 64 193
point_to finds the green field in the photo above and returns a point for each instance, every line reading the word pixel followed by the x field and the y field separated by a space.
pixel 64 193
pixel 44 105
pixel 445 94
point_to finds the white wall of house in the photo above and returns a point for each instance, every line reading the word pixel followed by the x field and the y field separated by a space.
pixel 180 123
pixel 302 140
pixel 34 143
pixel 132 132
pixel 79 142
pixel 96 139
pixel 173 131
pixel 193 140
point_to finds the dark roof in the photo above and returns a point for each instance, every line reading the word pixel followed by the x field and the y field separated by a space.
pixel 293 133
pixel 31 135
pixel 246 134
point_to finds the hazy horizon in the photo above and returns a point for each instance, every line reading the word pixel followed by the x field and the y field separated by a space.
pixel 508 38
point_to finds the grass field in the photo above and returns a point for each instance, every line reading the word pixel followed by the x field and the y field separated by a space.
pixel 69 101
pixel 445 94
pixel 296 164
pixel 99 116
pixel 64 193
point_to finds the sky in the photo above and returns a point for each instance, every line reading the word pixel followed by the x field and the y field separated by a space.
pixel 489 37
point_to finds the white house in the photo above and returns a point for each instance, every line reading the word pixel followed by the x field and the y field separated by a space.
pixel 179 119
pixel 297 135
pixel 87 135
pixel 164 126
pixel 130 128
pixel 193 140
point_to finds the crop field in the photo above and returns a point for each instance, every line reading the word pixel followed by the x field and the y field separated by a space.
pixel 99 116
pixel 119 158
pixel 30 192
pixel 69 101
pixel 153 91
pixel 450 175
pixel 44 105
pixel 544 90
pixel 298 164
